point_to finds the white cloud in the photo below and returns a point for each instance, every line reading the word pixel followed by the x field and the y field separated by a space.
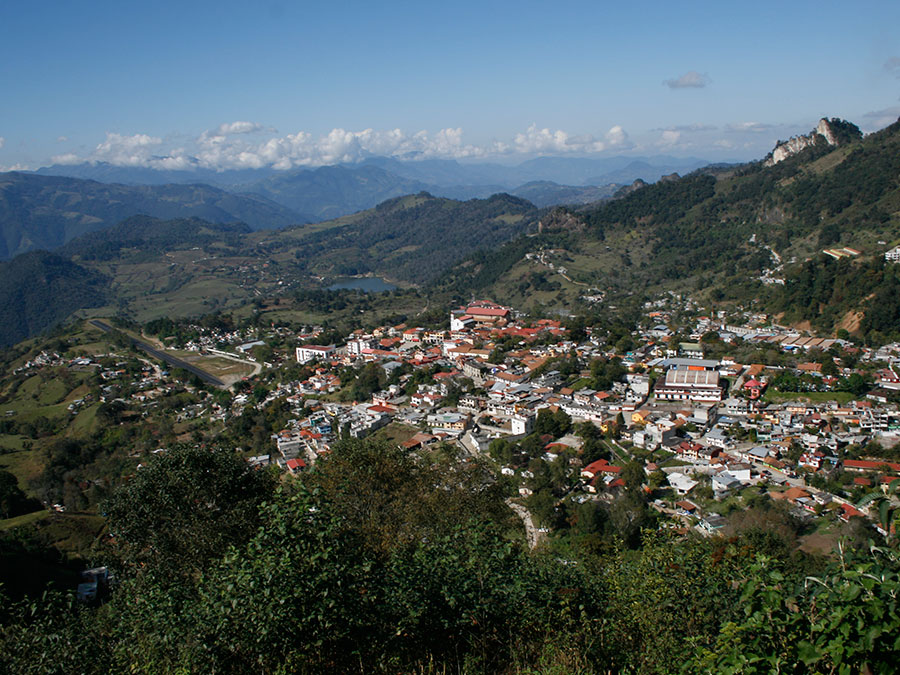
pixel 229 147
pixel 534 140
pixel 237 128
pixel 2 141
pixel 136 150
pixel 617 138
pixel 669 138
pixel 62 139
pixel 690 80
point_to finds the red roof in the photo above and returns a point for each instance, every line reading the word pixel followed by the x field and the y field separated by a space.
pixel 294 464
pixel 870 465
pixel 487 311
pixel 849 511
pixel 601 466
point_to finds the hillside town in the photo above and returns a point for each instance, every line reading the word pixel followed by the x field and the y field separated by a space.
pixel 813 426
pixel 563 416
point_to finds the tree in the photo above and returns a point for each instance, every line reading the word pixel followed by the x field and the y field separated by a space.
pixel 633 475
pixel 186 507
pixel 14 502
pixel 555 424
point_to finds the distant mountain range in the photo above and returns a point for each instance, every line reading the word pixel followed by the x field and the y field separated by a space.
pixel 427 173
pixel 333 191
pixel 45 212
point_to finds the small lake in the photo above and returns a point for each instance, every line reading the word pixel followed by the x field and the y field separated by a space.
pixel 365 284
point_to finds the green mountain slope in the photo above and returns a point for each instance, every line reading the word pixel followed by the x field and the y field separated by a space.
pixel 145 236
pixel 413 238
pixel 719 231
pixel 39 289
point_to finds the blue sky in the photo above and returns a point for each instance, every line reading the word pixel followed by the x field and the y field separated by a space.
pixel 235 84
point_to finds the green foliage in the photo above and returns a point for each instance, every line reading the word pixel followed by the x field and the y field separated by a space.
pixel 40 289
pixel 443 231
pixel 845 620
pixel 147 236
pixel 822 290
pixel 14 502
pixel 556 424
pixel 185 507
pixel 377 562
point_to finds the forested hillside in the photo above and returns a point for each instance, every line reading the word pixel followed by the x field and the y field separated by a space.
pixel 720 231
pixel 412 238
pixel 149 237
pixel 39 289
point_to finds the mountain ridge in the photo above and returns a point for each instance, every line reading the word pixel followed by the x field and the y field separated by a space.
pixel 45 212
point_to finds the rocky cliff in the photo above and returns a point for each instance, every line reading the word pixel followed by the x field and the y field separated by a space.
pixel 833 132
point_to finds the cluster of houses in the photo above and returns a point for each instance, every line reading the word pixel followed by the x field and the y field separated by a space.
pixel 702 422
pixel 707 418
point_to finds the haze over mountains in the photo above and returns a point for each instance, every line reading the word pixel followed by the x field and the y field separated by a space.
pixel 47 208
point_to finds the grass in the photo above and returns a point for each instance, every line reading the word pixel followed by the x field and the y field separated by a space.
pixel 25 465
pixel 85 422
pixel 842 397
pixel 27 519
pixel 674 462
pixel 11 443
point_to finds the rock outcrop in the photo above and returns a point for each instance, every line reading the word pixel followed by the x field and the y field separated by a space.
pixel 833 132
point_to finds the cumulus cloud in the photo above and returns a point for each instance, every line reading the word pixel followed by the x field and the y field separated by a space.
pixel 121 150
pixel 669 138
pixel 229 129
pixel 690 128
pixel 230 146
pixel 534 140
pixel 892 65
pixel 616 137
pixel 690 80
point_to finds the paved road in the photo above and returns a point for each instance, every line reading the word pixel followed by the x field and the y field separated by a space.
pixel 163 356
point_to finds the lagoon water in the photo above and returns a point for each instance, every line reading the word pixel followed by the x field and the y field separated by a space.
pixel 365 284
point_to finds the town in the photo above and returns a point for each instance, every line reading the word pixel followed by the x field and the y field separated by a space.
pixel 704 416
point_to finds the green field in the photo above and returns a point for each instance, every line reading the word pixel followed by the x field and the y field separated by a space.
pixel 842 397
pixel 27 519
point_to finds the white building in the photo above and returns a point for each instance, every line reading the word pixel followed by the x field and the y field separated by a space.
pixel 310 352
